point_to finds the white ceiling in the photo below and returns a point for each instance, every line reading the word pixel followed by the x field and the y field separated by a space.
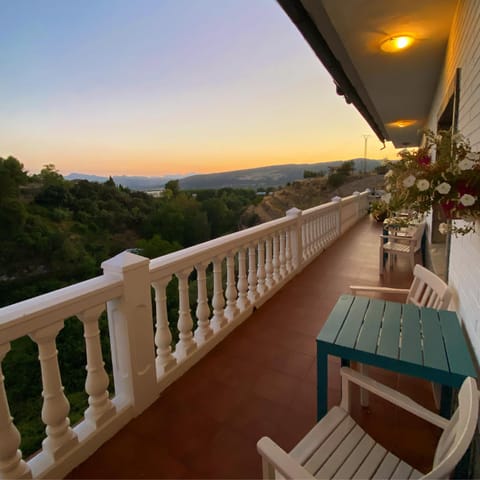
pixel 390 86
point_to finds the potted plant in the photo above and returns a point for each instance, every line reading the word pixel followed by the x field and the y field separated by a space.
pixel 444 172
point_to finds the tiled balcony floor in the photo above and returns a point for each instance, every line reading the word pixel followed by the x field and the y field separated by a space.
pixel 262 381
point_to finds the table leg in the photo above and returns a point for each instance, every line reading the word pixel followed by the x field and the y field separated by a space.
pixel 446 401
pixel 322 383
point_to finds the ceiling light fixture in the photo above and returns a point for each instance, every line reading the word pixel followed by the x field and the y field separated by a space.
pixel 397 43
pixel 402 123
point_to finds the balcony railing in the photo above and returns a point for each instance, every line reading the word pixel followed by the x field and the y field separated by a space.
pixel 230 276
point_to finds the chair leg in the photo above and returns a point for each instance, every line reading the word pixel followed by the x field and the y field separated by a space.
pixel 381 261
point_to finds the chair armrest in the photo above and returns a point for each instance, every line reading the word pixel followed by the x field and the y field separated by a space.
pixel 389 394
pixel 274 456
pixel 374 288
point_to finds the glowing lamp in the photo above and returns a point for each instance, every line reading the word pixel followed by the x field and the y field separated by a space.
pixel 402 123
pixel 397 43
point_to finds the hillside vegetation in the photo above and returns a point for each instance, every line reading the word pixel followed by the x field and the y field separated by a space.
pixel 305 194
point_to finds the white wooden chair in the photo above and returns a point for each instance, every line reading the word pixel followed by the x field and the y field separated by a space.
pixel 394 245
pixel 337 447
pixel 426 290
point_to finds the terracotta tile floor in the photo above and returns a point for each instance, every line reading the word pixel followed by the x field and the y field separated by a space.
pixel 261 381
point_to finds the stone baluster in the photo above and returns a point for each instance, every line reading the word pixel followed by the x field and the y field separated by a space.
pixel 276 258
pixel 261 287
pixel 268 264
pixel 282 256
pixel 96 385
pixel 231 291
pixel 288 250
pixel 164 360
pixel 11 463
pixel 243 302
pixel 218 301
pixel 252 274
pixel 60 437
pixel 203 331
pixel 186 344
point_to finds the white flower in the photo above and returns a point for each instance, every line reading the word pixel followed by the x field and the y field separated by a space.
pixel 423 184
pixel 443 188
pixel 388 174
pixel 466 164
pixel 467 200
pixel 386 198
pixel 443 228
pixel 409 181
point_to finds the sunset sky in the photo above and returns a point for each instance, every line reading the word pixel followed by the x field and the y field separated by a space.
pixel 154 87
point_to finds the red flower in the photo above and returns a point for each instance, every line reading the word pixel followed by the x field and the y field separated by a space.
pixel 424 159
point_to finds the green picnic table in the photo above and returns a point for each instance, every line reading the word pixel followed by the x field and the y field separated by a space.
pixel 421 342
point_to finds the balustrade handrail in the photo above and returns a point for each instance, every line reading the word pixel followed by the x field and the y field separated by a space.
pixel 207 250
pixel 23 317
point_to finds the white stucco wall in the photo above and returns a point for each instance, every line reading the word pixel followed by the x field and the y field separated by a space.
pixel 464 52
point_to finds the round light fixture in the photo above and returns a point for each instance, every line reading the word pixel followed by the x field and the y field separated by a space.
pixel 402 123
pixel 396 43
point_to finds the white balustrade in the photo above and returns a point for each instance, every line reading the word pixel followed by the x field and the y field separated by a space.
pixel 276 259
pixel 100 407
pixel 11 463
pixel 142 359
pixel 203 331
pixel 231 311
pixel 269 281
pixel 186 344
pixel 218 301
pixel 242 286
pixel 252 274
pixel 281 256
pixel 164 361
pixel 60 437
pixel 261 274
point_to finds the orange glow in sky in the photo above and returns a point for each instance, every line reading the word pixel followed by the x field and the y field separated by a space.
pixel 168 87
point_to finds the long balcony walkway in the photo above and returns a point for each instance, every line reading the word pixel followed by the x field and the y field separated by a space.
pixel 261 380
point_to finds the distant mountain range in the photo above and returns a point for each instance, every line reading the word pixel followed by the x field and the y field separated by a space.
pixel 262 177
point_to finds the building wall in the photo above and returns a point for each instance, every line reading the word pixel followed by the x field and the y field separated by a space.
pixel 464 52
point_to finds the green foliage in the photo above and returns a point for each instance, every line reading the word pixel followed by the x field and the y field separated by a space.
pixel 313 174
pixel 335 179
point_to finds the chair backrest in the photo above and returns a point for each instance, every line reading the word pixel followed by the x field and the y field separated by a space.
pixel 458 435
pixel 428 290
pixel 418 235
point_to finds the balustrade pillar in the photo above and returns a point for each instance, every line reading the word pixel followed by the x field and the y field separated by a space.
pixel 96 385
pixel 338 219
pixel 218 301
pixel 60 437
pixel 11 463
pixel 261 287
pixel 296 246
pixel 276 258
pixel 130 323
pixel 186 344
pixel 231 291
pixel 164 361
pixel 268 264
pixel 204 330
pixel 242 303
pixel 282 256
pixel 252 274
pixel 288 250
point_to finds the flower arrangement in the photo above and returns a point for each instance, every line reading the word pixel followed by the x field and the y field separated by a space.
pixel 444 172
